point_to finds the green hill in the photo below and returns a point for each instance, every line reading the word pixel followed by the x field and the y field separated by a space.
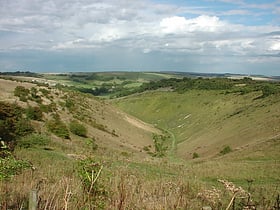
pixel 205 121
pixel 228 135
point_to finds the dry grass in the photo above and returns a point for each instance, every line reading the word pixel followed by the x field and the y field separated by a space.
pixel 131 179
pixel 130 184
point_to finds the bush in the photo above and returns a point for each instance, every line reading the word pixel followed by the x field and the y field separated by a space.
pixel 12 124
pixel 9 167
pixel 33 140
pixel 195 155
pixel 269 89
pixel 160 145
pixel 48 108
pixel 91 142
pixel 57 127
pixel 95 193
pixel 78 129
pixel 146 148
pixel 9 115
pixel 34 95
pixel 23 127
pixel 226 150
pixel 44 91
pixel 34 113
pixel 69 104
pixel 21 92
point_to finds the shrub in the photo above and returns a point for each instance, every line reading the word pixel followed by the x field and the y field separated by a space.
pixel 69 104
pixel 44 91
pixel 226 150
pixel 9 166
pixel 12 124
pixel 269 89
pixel 9 115
pixel 57 127
pixel 91 142
pixel 146 148
pixel 48 108
pixel 160 145
pixel 95 193
pixel 33 92
pixel 78 129
pixel 34 95
pixel 21 92
pixel 23 127
pixel 23 98
pixel 33 140
pixel 34 113
pixel 195 155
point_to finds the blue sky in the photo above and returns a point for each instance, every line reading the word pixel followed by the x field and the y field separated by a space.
pixel 218 36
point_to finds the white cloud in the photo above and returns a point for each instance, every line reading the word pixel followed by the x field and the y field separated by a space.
pixel 174 24
pixel 107 34
pixel 203 23
pixel 139 25
pixel 275 46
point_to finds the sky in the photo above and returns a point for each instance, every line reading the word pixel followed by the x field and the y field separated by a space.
pixel 209 36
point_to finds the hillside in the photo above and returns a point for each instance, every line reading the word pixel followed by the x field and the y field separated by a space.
pixel 223 132
pixel 166 149
pixel 205 121
pixel 110 127
pixel 39 119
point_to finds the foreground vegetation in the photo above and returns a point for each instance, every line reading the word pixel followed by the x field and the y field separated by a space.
pixel 217 141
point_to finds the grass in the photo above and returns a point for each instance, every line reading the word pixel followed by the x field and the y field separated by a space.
pixel 112 84
pixel 202 122
pixel 207 122
pixel 204 119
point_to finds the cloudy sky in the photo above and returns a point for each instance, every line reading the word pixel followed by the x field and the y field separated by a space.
pixel 235 36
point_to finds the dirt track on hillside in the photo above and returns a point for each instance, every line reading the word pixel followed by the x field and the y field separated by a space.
pixel 140 124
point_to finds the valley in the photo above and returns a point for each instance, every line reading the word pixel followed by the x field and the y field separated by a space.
pixel 144 140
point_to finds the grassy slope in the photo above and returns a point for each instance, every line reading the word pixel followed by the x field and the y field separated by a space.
pixel 152 183
pixel 88 107
pixel 206 121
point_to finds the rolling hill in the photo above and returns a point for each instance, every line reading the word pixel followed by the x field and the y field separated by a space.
pixel 159 148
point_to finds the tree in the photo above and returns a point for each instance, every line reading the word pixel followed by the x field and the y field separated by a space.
pixel 12 123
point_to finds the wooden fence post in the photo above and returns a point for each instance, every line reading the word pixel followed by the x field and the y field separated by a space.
pixel 32 205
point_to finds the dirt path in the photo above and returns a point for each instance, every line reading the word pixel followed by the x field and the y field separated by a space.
pixel 150 128
pixel 140 124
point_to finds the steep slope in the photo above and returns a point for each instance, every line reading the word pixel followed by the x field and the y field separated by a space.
pixel 68 172
pixel 204 122
pixel 110 127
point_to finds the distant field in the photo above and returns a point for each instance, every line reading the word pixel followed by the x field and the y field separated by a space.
pixel 107 84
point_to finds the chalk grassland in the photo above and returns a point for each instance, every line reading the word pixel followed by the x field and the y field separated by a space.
pixel 205 122
pixel 98 115
pixel 119 174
